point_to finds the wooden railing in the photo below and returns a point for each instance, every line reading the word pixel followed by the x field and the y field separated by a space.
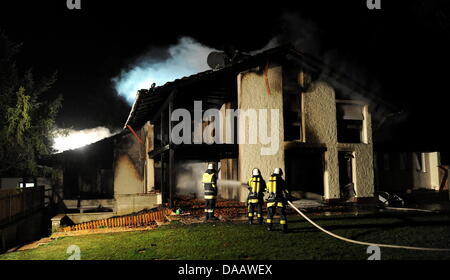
pixel 15 204
pixel 125 221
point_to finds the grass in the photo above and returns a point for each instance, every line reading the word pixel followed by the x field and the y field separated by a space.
pixel 235 241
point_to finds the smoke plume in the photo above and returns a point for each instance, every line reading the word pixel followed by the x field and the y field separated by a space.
pixel 159 66
pixel 69 139
pixel 188 180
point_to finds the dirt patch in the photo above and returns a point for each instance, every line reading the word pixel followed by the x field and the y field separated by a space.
pixel 33 245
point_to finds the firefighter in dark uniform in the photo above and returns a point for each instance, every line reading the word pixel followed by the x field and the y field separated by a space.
pixel 278 197
pixel 210 184
pixel 255 200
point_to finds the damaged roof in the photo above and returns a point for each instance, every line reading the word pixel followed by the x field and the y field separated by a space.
pixel 149 101
pixel 102 147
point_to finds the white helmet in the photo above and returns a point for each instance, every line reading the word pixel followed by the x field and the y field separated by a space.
pixel 256 172
pixel 278 171
pixel 211 166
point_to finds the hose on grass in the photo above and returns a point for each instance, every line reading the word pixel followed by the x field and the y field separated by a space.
pixel 360 242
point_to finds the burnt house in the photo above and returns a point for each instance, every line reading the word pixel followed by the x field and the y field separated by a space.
pixel 324 136
pixel 319 122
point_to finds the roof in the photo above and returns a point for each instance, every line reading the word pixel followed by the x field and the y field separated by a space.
pixel 148 100
pixel 56 159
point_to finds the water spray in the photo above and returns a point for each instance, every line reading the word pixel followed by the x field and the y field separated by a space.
pixel 230 184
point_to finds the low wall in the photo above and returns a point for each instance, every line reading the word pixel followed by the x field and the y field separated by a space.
pixel 130 203
pixel 78 218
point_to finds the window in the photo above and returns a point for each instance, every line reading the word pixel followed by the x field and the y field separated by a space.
pixel 293 101
pixel 292 117
pixel 350 122
pixel 27 185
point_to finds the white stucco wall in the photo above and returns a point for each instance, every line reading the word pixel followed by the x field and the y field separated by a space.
pixel 321 130
pixel 126 178
pixel 252 94
pixel 319 112
pixel 433 163
pixel 427 178
pixel 130 176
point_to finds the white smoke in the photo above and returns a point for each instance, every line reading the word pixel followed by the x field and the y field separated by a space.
pixel 69 139
pixel 186 58
pixel 189 178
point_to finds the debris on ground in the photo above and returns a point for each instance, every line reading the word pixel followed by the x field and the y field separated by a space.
pixel 388 199
pixel 224 208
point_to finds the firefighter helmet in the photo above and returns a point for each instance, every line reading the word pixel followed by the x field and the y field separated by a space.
pixel 278 171
pixel 211 166
pixel 256 172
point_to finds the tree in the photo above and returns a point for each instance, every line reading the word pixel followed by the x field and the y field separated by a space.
pixel 27 119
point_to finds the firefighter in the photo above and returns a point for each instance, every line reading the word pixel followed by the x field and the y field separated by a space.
pixel 210 184
pixel 255 200
pixel 278 197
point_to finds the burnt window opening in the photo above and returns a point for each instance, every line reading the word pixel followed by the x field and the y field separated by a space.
pixel 292 104
pixel 157 175
pixel 157 135
pixel 292 117
pixel 350 123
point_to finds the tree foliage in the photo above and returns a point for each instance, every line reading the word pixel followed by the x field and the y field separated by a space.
pixel 27 118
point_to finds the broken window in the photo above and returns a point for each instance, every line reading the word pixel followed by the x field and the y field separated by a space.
pixel 292 117
pixel 157 135
pixel 292 104
pixel 350 123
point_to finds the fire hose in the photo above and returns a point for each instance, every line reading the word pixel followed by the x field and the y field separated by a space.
pixel 360 242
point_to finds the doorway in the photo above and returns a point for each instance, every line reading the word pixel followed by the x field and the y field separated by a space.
pixel 346 170
pixel 304 170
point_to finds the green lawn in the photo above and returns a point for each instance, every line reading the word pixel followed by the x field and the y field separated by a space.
pixel 231 241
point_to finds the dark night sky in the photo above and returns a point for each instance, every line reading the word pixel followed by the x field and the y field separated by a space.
pixel 403 48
